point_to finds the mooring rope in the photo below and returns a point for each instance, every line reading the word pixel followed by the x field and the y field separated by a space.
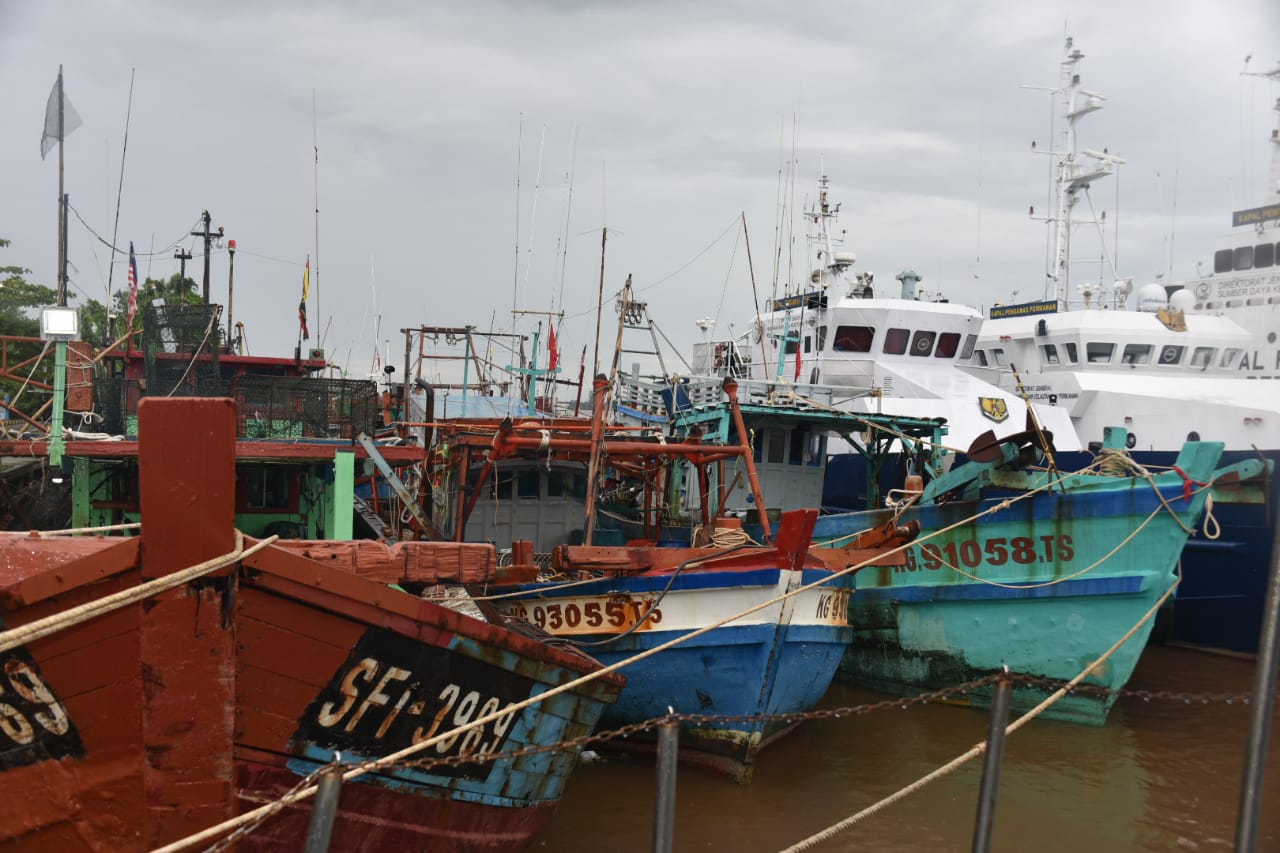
pixel 376 764
pixel 980 747
pixel 50 625
pixel 74 531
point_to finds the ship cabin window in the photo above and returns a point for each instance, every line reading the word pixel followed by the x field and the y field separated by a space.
pixel 791 345
pixel 555 484
pixel 822 338
pixel 1171 354
pixel 1050 353
pixel 948 343
pixel 1264 255
pixel 808 344
pixel 1230 356
pixel 1072 356
pixel 1203 356
pixel 266 488
pixel 777 445
pixel 969 341
pixel 500 487
pixel 816 450
pixel 527 484
pixel 922 343
pixel 997 355
pixel 1136 354
pixel 1099 352
pixel 799 440
pixel 982 358
pixel 1222 260
pixel 853 338
pixel 1243 259
pixel 895 341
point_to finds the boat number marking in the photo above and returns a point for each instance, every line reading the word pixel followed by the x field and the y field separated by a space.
pixel 32 719
pixel 1022 550
pixel 611 614
pixel 392 693
pixel 833 607
pixel 387 691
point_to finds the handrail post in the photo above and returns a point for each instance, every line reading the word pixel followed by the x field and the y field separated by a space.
pixel 325 807
pixel 664 811
pixel 990 785
pixel 1264 697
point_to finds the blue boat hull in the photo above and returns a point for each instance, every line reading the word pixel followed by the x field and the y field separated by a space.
pixel 778 661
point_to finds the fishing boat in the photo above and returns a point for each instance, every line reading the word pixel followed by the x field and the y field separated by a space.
pixel 894 353
pixel 1017 563
pixel 216 690
pixel 741 633
pixel 1177 368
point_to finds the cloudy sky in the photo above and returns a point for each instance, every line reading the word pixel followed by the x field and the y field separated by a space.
pixel 471 153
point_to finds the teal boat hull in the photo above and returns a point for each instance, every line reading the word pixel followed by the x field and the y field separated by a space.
pixel 1044 586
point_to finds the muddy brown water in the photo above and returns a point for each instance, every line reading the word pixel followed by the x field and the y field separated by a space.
pixel 1160 775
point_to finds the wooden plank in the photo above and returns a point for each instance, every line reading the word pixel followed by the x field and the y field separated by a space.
pixel 287 654
pixel 403 562
pixel 33 569
pixel 270 707
pixel 187 493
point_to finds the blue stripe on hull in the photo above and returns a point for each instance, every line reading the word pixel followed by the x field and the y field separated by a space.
pixel 1086 586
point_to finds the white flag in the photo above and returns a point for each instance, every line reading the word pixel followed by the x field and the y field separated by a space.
pixel 57 125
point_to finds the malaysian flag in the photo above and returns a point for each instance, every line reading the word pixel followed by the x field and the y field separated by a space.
pixel 133 286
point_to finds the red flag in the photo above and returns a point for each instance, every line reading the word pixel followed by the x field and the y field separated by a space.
pixel 133 285
pixel 797 379
pixel 551 345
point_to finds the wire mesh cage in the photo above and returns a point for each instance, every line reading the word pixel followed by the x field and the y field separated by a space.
pixel 291 407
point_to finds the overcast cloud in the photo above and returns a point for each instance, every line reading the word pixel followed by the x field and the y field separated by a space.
pixel 681 113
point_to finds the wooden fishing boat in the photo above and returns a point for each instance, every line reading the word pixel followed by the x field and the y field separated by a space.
pixel 1031 568
pixel 137 727
pixel 744 635
pixel 681 612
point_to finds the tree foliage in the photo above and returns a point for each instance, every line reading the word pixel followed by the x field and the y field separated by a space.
pixel 20 300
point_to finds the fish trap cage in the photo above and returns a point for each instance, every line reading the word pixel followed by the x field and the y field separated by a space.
pixel 275 407
pixel 181 328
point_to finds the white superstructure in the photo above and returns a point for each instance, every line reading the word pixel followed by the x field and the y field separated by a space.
pixel 1245 282
pixel 894 353
pixel 1168 372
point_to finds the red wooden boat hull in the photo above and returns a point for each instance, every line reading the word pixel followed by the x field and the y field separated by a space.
pixel 137 728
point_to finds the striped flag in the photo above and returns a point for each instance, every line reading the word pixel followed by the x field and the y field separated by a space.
pixel 133 285
pixel 302 305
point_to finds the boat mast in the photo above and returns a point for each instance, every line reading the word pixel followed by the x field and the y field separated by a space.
pixel 1076 169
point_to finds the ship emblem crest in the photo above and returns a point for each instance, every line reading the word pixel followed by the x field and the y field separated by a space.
pixel 994 408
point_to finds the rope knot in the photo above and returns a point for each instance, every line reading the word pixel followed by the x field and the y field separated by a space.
pixel 1187 483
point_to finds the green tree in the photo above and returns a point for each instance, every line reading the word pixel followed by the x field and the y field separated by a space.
pixel 93 316
pixel 20 300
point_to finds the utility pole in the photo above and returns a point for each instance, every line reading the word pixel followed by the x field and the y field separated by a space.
pixel 204 233
pixel 183 256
